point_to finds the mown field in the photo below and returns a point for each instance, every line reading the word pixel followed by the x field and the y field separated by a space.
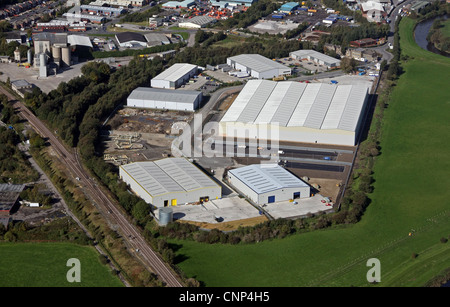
pixel 410 195
pixel 44 265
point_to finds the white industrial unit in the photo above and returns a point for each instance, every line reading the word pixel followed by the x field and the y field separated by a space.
pixel 297 112
pixel 268 183
pixel 174 76
pixel 169 182
pixel 317 57
pixel 197 22
pixel 158 98
pixel 258 66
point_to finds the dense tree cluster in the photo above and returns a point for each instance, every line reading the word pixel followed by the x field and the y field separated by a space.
pixel 14 166
pixel 437 37
pixel 258 9
pixel 343 35
pixel 142 16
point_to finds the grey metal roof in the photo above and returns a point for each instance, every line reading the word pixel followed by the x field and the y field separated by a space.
pixel 161 94
pixel 257 62
pixel 175 72
pixel 9 194
pixel 200 20
pixel 315 55
pixel 263 178
pixel 294 104
pixel 157 38
pixel 124 37
pixel 168 175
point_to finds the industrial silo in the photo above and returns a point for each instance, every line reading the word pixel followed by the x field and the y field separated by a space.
pixel 42 65
pixel 165 216
pixel 56 53
pixel 29 57
pixel 66 56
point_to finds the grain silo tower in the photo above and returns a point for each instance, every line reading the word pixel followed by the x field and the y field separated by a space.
pixel 66 56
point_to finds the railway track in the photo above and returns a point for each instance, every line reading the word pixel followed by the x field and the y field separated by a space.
pixel 133 237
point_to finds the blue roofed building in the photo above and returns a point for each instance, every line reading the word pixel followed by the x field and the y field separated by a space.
pixel 289 7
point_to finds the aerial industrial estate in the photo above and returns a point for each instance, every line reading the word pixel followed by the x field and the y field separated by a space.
pixel 212 118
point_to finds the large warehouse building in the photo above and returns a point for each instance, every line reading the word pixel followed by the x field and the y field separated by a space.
pixel 315 56
pixel 158 98
pixel 258 66
pixel 264 183
pixel 174 76
pixel 169 182
pixel 301 112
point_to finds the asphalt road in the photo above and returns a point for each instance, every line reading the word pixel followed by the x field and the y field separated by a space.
pixel 100 197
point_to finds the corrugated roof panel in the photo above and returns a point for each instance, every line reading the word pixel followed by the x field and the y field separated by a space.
pixel 175 72
pixel 353 108
pixel 300 114
pixel 320 106
pixel 235 110
pixel 168 175
pixel 160 94
pixel 273 102
pixel 266 178
pixel 257 62
pixel 286 109
pixel 337 107
pixel 256 102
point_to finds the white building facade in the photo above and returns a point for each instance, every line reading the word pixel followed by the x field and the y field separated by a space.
pixel 166 99
pixel 175 76
pixel 264 184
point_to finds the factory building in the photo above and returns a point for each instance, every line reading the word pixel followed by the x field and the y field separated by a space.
pixel 297 112
pixel 315 56
pixel 169 182
pixel 289 7
pixel 258 66
pixel 120 3
pixel 158 98
pixel 175 76
pixel 197 22
pixel 179 4
pixel 232 3
pixel 131 39
pixel 268 183
pixel 102 10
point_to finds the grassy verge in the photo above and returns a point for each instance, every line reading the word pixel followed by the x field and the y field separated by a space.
pixel 410 195
pixel 44 265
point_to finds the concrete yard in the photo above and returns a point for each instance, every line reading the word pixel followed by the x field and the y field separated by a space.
pixel 304 206
pixel 227 209
pixel 31 75
pixel 273 27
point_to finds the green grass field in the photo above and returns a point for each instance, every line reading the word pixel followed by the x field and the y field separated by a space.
pixel 446 28
pixel 410 193
pixel 44 265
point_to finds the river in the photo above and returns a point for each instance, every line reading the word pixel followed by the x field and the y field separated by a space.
pixel 421 32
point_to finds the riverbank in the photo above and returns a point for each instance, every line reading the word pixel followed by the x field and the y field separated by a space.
pixel 428 38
